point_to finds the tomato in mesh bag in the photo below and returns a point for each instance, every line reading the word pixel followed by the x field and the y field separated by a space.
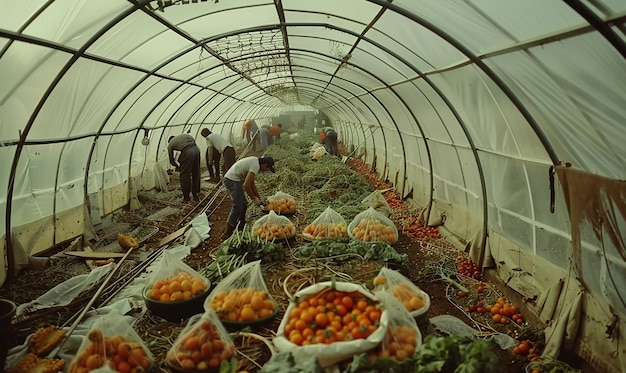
pixel 175 281
pixel 281 203
pixel 329 224
pixel 273 227
pixel 203 344
pixel 403 337
pixel 242 297
pixel 372 226
pixel 112 343
pixel 414 299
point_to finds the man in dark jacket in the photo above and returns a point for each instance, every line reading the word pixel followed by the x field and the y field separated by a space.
pixel 189 166
pixel 330 140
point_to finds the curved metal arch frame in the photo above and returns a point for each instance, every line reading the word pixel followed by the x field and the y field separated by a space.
pixel 200 73
pixel 366 90
pixel 334 93
pixel 344 98
pixel 31 120
pixel 597 23
pixel 382 4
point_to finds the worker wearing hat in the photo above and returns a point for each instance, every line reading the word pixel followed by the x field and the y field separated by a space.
pixel 239 179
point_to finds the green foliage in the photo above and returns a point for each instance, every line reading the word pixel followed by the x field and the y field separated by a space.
pixel 284 363
pixel 451 354
pixel 456 354
pixel 342 247
pixel 362 364
pixel 255 248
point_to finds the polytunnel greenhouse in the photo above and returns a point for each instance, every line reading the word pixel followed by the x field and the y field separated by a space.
pixel 445 173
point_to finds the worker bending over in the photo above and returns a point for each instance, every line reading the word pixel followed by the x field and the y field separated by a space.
pixel 217 146
pixel 189 166
pixel 250 133
pixel 328 137
pixel 239 179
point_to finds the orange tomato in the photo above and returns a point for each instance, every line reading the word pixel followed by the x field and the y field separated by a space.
pixel 347 301
pixel 321 319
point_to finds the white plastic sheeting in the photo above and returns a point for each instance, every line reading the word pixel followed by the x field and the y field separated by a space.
pixel 464 104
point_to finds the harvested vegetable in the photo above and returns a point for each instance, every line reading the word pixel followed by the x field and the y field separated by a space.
pixel 415 301
pixel 281 203
pixel 253 247
pixel 328 224
pixel 332 321
pixel 203 344
pixel 273 227
pixel 177 288
pixel 113 343
pixel 377 201
pixel 372 226
pixel 242 296
pixel 402 337
pixel 456 353
pixel 243 304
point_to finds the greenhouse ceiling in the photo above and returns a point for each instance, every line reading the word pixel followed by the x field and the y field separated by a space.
pixel 506 116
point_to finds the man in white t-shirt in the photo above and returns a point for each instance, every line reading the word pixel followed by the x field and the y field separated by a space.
pixel 217 146
pixel 239 179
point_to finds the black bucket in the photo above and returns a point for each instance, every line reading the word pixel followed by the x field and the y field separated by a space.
pixel 7 311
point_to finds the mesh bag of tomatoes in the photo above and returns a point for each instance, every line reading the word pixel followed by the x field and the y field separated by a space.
pixel 403 336
pixel 329 224
pixel 372 226
pixel 242 297
pixel 273 227
pixel 415 300
pixel 111 345
pixel 175 281
pixel 331 321
pixel 281 203
pixel 202 345
pixel 378 202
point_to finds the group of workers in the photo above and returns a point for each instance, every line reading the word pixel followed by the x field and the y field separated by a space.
pixel 239 175
pixel 263 137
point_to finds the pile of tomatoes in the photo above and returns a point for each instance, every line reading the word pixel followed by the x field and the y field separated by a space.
pixel 177 288
pixel 372 177
pixel 325 230
pixel 243 304
pixel 414 228
pixel 502 312
pixel 332 316
pixel 399 344
pixel 394 201
pixel 116 351
pixel 374 230
pixel 201 348
pixel 466 267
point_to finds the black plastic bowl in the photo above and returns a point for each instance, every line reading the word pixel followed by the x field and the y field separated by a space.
pixel 176 311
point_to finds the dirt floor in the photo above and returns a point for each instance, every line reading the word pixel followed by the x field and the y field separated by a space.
pixel 159 333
